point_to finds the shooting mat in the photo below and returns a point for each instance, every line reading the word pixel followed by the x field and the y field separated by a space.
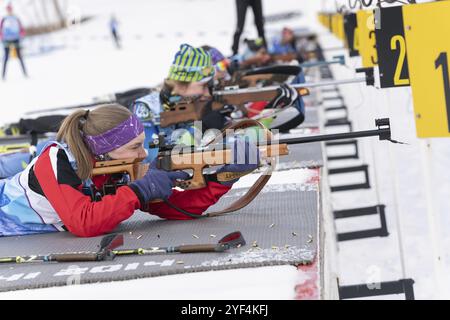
pixel 280 227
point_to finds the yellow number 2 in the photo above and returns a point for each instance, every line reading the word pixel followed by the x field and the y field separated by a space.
pixel 398 39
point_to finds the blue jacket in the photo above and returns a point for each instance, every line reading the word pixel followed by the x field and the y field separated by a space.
pixel 276 47
pixel 10 29
pixel 23 209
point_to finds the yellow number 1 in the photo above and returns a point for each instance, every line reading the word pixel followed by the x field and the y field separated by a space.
pixel 356 39
pixel 442 62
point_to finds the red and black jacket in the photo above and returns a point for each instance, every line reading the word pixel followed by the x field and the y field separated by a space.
pixel 53 177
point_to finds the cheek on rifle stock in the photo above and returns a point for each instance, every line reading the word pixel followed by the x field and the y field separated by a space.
pixel 134 167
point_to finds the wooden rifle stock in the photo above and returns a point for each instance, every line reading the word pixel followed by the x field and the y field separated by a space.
pixel 287 57
pixel 249 81
pixel 252 81
pixel 134 167
pixel 193 111
pixel 195 161
pixel 257 60
pixel 265 59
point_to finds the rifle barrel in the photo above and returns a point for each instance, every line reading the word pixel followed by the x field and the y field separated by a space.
pixel 296 86
pixel 25 138
pixel 80 106
pixel 384 133
pixel 336 136
pixel 336 60
pixel 330 83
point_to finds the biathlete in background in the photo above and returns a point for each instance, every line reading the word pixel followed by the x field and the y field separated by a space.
pixel 11 35
pixel 191 75
pixel 114 28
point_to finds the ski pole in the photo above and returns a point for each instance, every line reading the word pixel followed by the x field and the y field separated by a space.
pixel 107 244
pixel 232 240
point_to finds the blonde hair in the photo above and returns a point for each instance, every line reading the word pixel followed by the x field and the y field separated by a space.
pixel 98 121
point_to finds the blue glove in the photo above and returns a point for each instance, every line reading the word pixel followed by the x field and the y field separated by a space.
pixel 286 97
pixel 156 184
pixel 245 157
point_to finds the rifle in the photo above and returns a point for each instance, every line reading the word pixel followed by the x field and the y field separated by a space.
pixel 124 98
pixel 188 110
pixel 336 60
pixel 253 80
pixel 196 159
pixel 69 108
pixel 13 142
pixel 269 74
pixel 264 58
pixel 277 73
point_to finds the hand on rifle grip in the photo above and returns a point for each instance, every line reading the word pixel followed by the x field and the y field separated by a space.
pixel 244 158
pixel 286 97
pixel 156 184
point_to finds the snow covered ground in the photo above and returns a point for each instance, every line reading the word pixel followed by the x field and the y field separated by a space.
pixel 266 283
pixel 72 66
pixel 82 62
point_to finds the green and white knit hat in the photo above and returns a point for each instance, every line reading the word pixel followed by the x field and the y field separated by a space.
pixel 191 65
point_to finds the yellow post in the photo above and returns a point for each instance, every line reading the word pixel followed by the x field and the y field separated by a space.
pixel 12 51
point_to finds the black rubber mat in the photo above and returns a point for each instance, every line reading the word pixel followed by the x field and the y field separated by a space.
pixel 280 227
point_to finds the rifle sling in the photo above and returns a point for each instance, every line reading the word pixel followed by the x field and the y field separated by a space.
pixel 238 204
pixel 247 197
pixel 259 184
